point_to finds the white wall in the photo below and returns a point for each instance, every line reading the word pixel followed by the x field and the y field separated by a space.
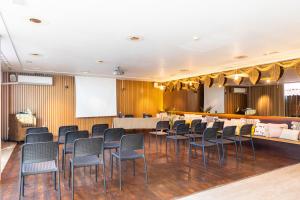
pixel 214 96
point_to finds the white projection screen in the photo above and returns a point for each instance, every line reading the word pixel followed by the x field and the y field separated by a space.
pixel 95 97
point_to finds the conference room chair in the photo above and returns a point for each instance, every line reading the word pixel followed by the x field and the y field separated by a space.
pixel 98 129
pixel 87 152
pixel 227 134
pixel 39 158
pixel 41 137
pixel 112 139
pixel 194 122
pixel 179 135
pixel 161 130
pixel 70 137
pixel 131 148
pixel 173 126
pixel 197 131
pixel 129 116
pixel 244 136
pixel 63 130
pixel 206 142
pixel 37 130
pixel 145 115
pixel 219 125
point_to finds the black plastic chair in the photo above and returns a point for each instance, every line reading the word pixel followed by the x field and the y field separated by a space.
pixel 244 136
pixel 176 123
pixel 87 152
pixel 37 130
pixel 39 158
pixel 132 147
pixel 63 130
pixel 112 139
pixel 227 134
pixel 70 137
pixel 206 142
pixel 194 123
pixel 41 137
pixel 219 125
pixel 129 116
pixel 181 131
pixel 98 129
pixel 145 115
pixel 197 131
pixel 161 130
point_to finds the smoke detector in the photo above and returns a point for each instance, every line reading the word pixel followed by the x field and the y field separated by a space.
pixel 118 71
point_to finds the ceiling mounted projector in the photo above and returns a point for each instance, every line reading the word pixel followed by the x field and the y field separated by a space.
pixel 118 71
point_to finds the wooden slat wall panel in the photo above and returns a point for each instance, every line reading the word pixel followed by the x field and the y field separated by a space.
pixel 54 105
pixel 234 100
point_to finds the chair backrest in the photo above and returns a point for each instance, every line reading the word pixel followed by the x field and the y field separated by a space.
pixel 113 134
pixel 194 123
pixel 200 127
pixel 145 115
pixel 74 135
pixel 64 129
pixel 162 125
pixel 219 125
pixel 129 116
pixel 182 129
pixel 177 122
pixel 246 129
pixel 98 129
pixel 209 134
pixel 88 147
pixel 132 142
pixel 41 137
pixel 229 131
pixel 39 152
pixel 37 130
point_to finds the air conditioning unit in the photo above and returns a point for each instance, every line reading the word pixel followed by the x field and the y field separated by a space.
pixel 240 90
pixel 31 80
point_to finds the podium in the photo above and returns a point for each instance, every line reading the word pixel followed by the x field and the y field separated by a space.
pixel 18 123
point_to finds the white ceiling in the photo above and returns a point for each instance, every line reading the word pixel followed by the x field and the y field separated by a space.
pixel 74 34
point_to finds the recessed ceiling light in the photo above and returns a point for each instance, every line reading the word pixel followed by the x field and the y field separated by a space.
pixel 34 54
pixel 134 38
pixel 241 57
pixel 195 38
pixel 35 20
pixel 270 53
pixel 99 61
pixel 184 70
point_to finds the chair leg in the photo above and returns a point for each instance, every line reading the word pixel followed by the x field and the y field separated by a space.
pixel 72 170
pixel 111 166
pixel 21 186
pixel 58 182
pixel 241 148
pixel 236 150
pixel 120 173
pixel 156 143
pixel 146 170
pixel 166 147
pixel 55 180
pixel 252 144
pixel 220 160
pixel 64 163
pixel 223 152
pixel 70 174
pixel 133 161
pixel 104 176
pixel 203 155
pixel 96 172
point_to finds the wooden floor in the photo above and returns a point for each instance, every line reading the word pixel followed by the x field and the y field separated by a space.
pixel 169 177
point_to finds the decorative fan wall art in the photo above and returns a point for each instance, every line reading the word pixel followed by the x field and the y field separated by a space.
pixel 208 81
pixel 276 72
pixel 221 80
pixel 238 80
pixel 254 76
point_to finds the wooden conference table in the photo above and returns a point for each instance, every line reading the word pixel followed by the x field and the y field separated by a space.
pixel 135 123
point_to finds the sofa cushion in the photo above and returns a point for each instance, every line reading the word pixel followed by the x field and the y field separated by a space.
pixel 290 134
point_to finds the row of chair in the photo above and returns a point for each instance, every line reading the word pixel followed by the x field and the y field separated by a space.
pixel 40 152
pixel 216 136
